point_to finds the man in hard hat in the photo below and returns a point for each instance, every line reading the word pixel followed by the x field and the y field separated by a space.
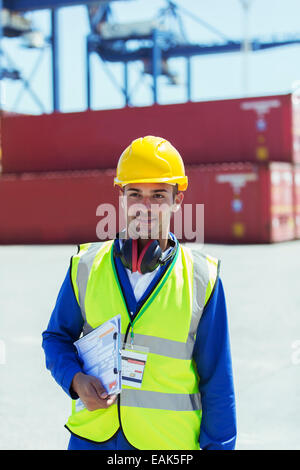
pixel 171 301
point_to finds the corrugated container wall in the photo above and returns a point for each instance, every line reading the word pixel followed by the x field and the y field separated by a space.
pixel 297 200
pixel 58 207
pixel 243 203
pixel 252 129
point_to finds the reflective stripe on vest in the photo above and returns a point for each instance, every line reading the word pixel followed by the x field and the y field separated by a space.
pixel 169 397
pixel 83 273
pixel 161 401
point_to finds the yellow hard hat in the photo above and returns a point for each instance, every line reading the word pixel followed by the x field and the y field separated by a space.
pixel 151 160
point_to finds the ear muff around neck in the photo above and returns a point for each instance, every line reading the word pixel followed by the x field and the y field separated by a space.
pixel 134 255
pixel 149 259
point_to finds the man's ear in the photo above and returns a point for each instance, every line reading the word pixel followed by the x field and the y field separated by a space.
pixel 177 201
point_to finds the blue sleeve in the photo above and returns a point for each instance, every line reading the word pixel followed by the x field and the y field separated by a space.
pixel 65 327
pixel 213 359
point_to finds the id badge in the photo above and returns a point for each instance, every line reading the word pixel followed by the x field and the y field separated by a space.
pixel 134 360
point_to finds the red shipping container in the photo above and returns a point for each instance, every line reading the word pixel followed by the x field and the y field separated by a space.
pixel 297 200
pixel 258 129
pixel 53 207
pixel 4 114
pixel 244 203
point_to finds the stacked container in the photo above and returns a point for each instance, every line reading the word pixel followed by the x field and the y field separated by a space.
pixel 297 200
pixel 244 202
pixel 240 130
pixel 56 207
pixel 241 158
pixel 296 167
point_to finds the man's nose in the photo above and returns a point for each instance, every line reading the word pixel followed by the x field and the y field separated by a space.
pixel 146 203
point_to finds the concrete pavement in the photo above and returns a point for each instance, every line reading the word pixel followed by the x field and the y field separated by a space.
pixel 262 287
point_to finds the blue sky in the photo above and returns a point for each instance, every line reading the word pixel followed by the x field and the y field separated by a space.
pixel 213 77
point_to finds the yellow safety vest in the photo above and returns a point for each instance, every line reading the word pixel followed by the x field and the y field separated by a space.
pixel 165 413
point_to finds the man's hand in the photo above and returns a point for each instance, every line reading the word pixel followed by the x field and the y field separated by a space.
pixel 91 392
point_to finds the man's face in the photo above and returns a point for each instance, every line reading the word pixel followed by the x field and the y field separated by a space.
pixel 148 209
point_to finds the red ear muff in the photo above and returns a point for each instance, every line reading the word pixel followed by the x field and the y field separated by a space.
pixel 134 256
pixel 150 257
pixel 142 254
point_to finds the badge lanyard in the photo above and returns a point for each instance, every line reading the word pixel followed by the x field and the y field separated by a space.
pixel 155 293
pixel 132 324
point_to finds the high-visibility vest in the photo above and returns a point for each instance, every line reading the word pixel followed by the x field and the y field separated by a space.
pixel 165 413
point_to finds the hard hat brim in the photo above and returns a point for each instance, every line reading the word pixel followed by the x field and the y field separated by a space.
pixel 182 181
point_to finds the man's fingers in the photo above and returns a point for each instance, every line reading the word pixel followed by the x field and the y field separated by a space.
pixel 101 392
pixel 103 395
pixel 95 396
pixel 111 399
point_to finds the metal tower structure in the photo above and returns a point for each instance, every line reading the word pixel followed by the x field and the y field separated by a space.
pixel 154 44
pixel 151 42
pixel 13 24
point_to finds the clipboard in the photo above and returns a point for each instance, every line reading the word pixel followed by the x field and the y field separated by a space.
pixel 99 351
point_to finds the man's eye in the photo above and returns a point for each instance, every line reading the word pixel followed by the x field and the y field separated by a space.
pixel 158 196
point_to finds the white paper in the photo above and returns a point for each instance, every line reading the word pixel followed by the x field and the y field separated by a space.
pixel 100 353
